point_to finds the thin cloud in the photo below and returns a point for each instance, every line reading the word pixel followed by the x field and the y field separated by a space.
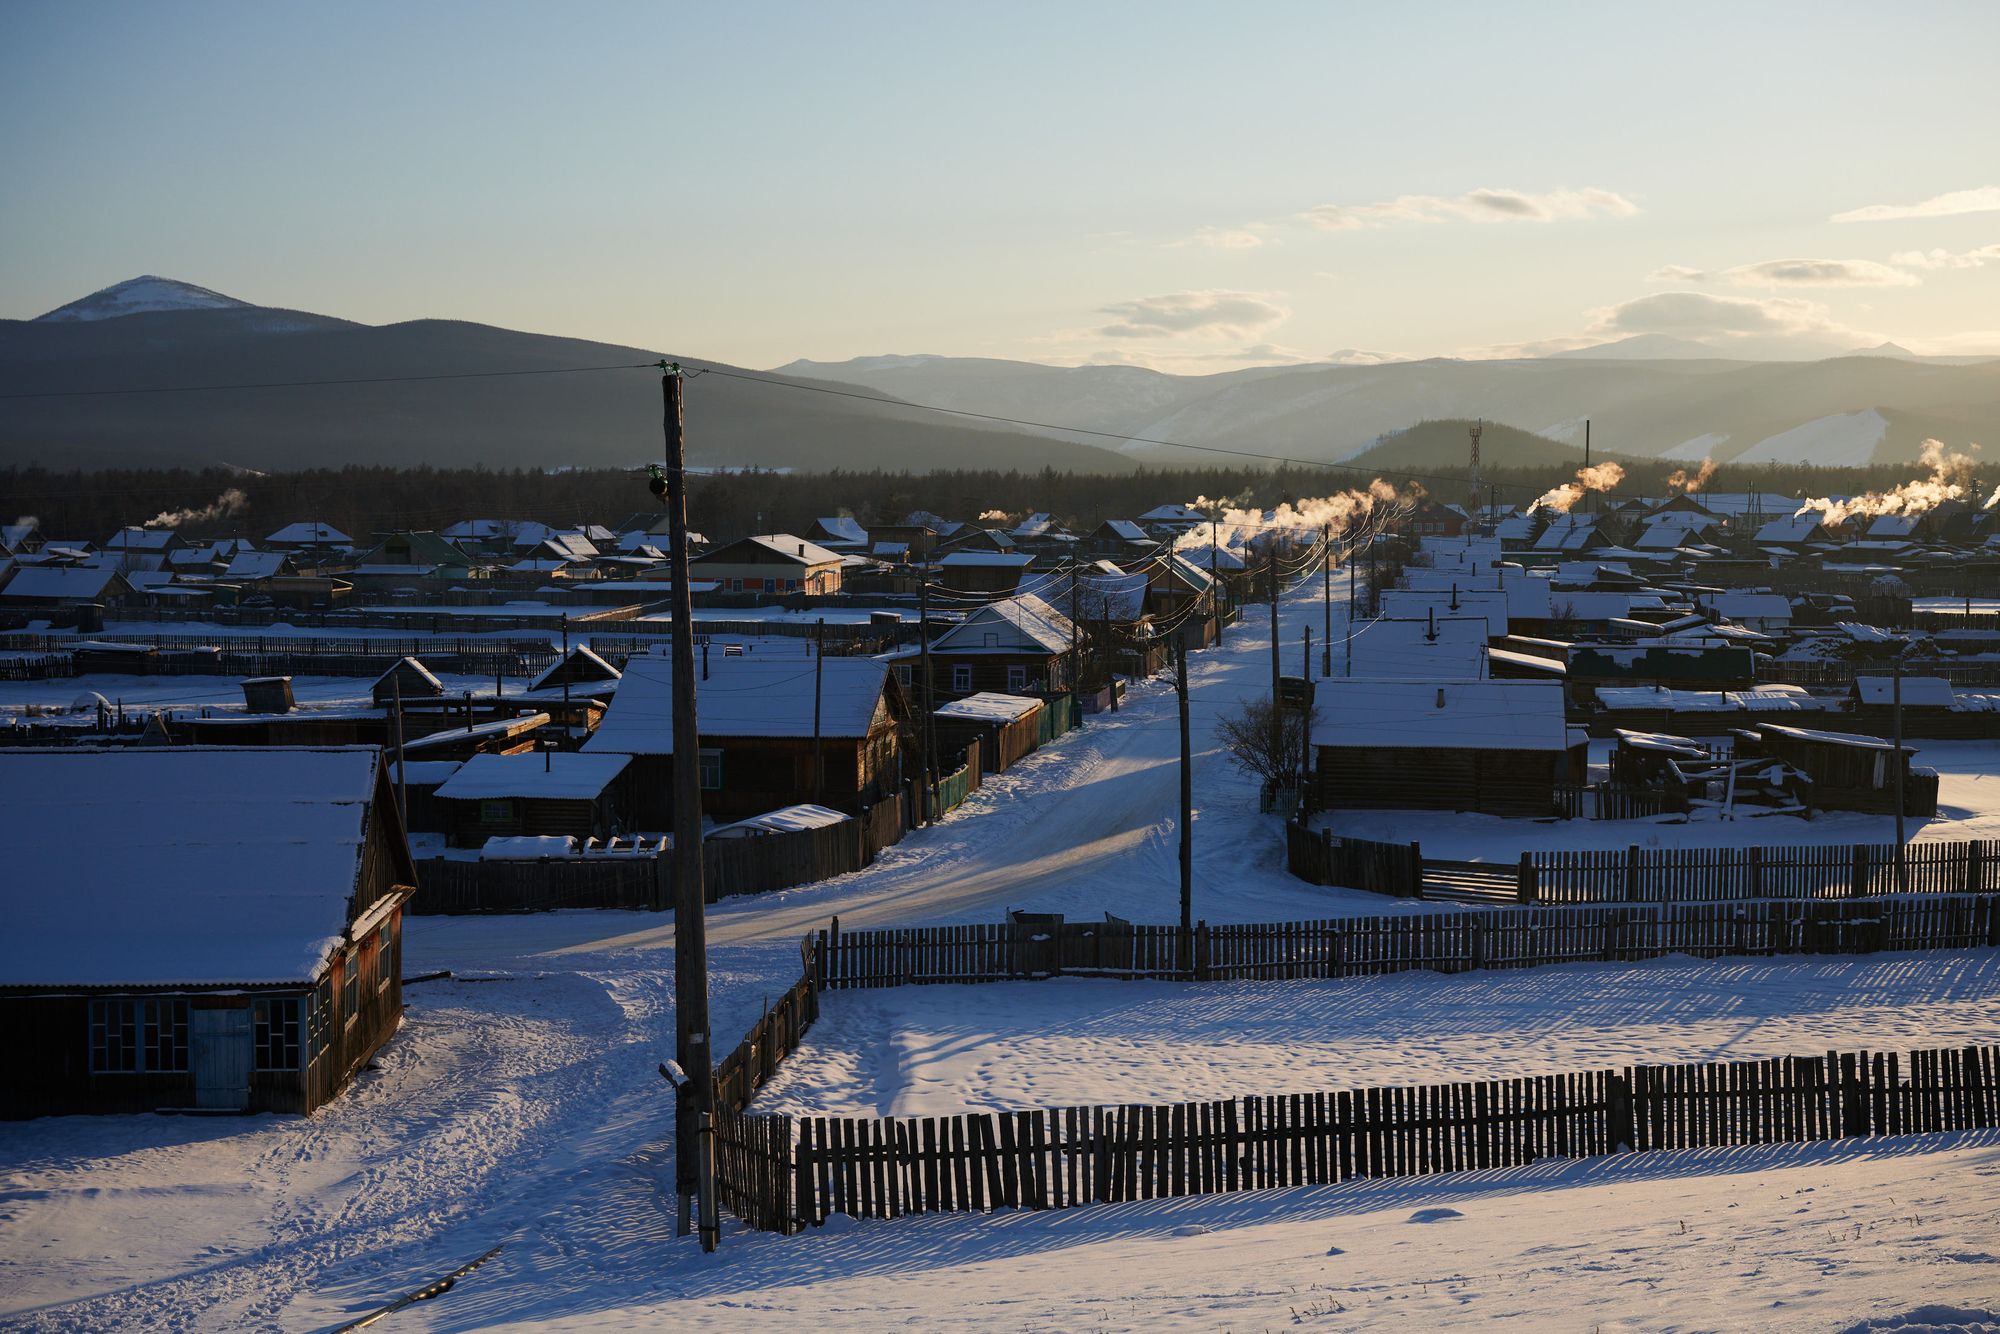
pixel 1947 259
pixel 1179 314
pixel 1481 205
pixel 1700 314
pixel 1818 273
pixel 1678 273
pixel 1226 238
pixel 1983 200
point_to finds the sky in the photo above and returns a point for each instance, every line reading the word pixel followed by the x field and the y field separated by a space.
pixel 1193 188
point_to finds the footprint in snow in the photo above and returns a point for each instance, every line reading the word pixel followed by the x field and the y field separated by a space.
pixel 1434 1215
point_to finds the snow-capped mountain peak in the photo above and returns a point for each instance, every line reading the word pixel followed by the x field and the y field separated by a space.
pixel 141 295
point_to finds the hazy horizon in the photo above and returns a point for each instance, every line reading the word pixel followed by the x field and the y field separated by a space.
pixel 1118 184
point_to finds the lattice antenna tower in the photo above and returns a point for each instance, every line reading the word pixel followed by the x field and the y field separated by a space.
pixel 1472 473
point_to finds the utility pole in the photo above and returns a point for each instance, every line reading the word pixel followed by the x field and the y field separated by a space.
pixel 819 657
pixel 402 764
pixel 1277 703
pixel 1187 808
pixel 1215 581
pixel 1325 602
pixel 1896 768
pixel 926 739
pixel 1075 657
pixel 695 1094
pixel 1305 728
pixel 1349 638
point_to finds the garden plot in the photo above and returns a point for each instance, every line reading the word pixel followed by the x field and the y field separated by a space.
pixel 940 1050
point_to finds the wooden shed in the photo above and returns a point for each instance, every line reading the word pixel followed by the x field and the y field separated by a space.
pixel 554 793
pixel 268 694
pixel 408 677
pixel 1007 727
pixel 1498 747
pixel 1848 772
pixel 197 928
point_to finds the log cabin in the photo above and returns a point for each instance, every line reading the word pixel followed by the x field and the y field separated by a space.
pixel 197 928
pixel 1497 747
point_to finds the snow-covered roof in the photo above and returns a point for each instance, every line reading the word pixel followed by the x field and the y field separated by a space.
pixel 69 582
pixel 843 528
pixel 527 847
pixel 309 534
pixel 1128 530
pixel 1006 560
pixel 1444 649
pixel 478 530
pixel 422 672
pixel 571 546
pixel 585 657
pixel 179 865
pixel 1451 715
pixel 140 539
pixel 1035 525
pixel 989 707
pixel 256 565
pixel 1024 623
pixel 552 776
pixel 779 544
pixel 784 820
pixel 1749 606
pixel 1764 699
pixel 1791 530
pixel 747 696
pixel 1412 604
pixel 1174 514
pixel 1931 692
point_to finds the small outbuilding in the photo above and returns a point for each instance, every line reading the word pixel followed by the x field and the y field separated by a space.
pixel 1498 747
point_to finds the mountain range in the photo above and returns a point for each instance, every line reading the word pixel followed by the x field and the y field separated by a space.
pixel 68 382
pixel 81 360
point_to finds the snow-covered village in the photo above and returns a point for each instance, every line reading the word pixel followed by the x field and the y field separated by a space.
pixel 1117 822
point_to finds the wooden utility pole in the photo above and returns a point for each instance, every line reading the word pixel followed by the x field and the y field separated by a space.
pixel 402 764
pixel 1277 704
pixel 1187 806
pixel 1896 766
pixel 1075 658
pixel 1215 582
pixel 819 656
pixel 927 738
pixel 1305 727
pixel 1348 645
pixel 695 1094
pixel 1325 602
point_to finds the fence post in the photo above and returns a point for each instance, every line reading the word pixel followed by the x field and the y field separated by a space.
pixel 1975 865
pixel 1618 1111
pixel 1201 950
pixel 1416 890
pixel 1756 873
pixel 1632 873
pixel 1853 1102
pixel 1858 886
pixel 1525 889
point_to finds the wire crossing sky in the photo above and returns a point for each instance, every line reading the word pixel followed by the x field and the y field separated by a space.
pixel 1178 186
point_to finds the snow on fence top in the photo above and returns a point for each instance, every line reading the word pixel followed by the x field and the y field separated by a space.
pixel 785 820
pixel 743 696
pixel 1448 715
pixel 1928 692
pixel 179 865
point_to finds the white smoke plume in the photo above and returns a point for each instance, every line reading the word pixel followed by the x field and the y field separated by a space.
pixel 993 516
pixel 1597 477
pixel 1992 500
pixel 1950 478
pixel 25 521
pixel 1238 524
pixel 1680 481
pixel 229 502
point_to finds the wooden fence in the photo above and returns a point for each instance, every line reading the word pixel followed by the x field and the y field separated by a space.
pixel 783 1174
pixel 1447 942
pixel 1661 875
pixel 730 867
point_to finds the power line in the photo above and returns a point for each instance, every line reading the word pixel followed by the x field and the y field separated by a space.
pixel 308 384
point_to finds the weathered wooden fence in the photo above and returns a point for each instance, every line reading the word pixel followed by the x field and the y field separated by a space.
pixel 1655 875
pixel 1446 942
pixel 782 1173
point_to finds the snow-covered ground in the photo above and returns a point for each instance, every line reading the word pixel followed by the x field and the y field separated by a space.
pixel 1841 440
pixel 218 694
pixel 938 1051
pixel 519 1106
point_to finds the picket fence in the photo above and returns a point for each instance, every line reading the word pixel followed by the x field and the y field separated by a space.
pixel 781 1173
pixel 1659 875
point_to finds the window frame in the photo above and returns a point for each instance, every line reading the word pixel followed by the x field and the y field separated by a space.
pixel 961 676
pixel 709 767
pixel 1017 678
pixel 277 1025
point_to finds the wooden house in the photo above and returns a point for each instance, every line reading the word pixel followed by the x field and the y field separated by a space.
pixel 197 928
pixel 582 672
pixel 1429 517
pixel 310 540
pixel 47 586
pixel 555 793
pixel 1007 727
pixel 1016 646
pixel 983 571
pixel 1118 540
pixel 841 533
pixel 759 716
pixel 773 563
pixel 268 694
pixel 1848 772
pixel 1498 747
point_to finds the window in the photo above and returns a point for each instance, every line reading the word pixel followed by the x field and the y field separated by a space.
pixel 961 677
pixel 711 770
pixel 138 1036
pixel 319 1020
pixel 350 1000
pixel 385 945
pixel 903 674
pixel 1017 678
pixel 499 811
pixel 275 1022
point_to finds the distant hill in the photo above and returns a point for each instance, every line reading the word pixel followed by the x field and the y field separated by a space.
pixel 1674 406
pixel 1445 444
pixel 157 332
pixel 1643 347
